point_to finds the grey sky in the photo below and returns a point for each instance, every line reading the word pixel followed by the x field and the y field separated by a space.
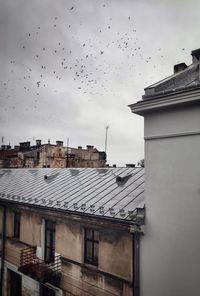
pixel 69 68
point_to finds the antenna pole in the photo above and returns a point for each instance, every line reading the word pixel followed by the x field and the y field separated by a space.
pixel 106 139
pixel 67 152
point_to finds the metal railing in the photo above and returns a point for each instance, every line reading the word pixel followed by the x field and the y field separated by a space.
pixel 39 269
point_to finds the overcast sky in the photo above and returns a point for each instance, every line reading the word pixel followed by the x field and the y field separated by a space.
pixel 69 68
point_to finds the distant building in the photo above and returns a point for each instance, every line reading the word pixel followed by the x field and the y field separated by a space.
pixel 50 155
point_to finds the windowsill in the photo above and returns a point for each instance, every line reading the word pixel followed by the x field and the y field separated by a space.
pixel 90 266
pixel 93 269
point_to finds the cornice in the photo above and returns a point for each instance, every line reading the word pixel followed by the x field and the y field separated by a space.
pixel 167 101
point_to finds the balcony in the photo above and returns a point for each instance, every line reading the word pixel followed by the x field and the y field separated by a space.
pixel 38 269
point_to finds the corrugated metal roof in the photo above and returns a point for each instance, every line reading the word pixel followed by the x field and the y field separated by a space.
pixel 107 192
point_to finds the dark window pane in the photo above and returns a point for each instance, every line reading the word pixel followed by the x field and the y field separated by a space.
pixel 88 233
pixel 96 235
pixel 91 246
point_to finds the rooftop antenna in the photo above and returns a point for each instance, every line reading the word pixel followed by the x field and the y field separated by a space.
pixel 2 139
pixel 106 139
pixel 67 152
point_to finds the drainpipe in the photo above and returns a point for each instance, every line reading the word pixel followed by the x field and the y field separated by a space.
pixel 3 249
pixel 135 263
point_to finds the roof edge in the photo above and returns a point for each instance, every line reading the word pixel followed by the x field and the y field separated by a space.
pixel 167 100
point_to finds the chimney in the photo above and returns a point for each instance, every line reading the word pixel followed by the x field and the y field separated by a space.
pixel 195 56
pixel 114 166
pixel 79 147
pixel 59 143
pixel 179 67
pixel 89 147
pixel 130 165
pixel 38 142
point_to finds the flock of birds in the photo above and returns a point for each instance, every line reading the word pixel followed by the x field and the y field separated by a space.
pixel 88 65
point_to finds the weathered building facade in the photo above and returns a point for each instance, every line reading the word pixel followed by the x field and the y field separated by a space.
pixel 170 247
pixel 71 231
pixel 49 155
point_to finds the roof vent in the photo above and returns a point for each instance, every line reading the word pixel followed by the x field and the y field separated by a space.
pixel 18 197
pixel 101 210
pixel 122 213
pixel 44 201
pixel 132 214
pixel 58 203
pixel 92 208
pixel 75 205
pixel 83 206
pixel 13 196
pixel 30 199
pixel 23 198
pixel 66 204
pixel 112 211
pixel 36 199
pixel 130 165
pixel 122 180
pixel 50 201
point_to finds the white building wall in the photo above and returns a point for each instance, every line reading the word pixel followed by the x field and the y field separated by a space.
pixel 170 248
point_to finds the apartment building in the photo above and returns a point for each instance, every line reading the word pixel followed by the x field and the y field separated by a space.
pixel 71 231
pixel 50 155
pixel 170 247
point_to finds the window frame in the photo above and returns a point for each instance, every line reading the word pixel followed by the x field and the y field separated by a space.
pixel 50 229
pixel 94 259
pixel 17 222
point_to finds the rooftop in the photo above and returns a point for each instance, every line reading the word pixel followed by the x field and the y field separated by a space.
pixel 115 193
pixel 184 77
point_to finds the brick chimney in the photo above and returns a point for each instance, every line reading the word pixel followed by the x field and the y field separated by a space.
pixel 179 67
pixel 195 56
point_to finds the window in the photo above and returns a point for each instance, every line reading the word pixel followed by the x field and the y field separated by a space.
pixel 49 252
pixel 91 246
pixel 16 233
pixel 14 283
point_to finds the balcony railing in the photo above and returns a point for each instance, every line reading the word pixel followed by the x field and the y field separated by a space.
pixel 39 269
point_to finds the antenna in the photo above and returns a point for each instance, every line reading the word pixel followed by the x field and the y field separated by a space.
pixel 2 139
pixel 67 164
pixel 107 127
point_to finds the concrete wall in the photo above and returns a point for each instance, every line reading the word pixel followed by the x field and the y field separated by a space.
pixel 170 247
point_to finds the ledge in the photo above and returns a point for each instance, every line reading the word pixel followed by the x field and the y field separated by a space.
pixel 165 101
pixel 94 270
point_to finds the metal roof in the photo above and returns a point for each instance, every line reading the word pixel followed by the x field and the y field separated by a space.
pixel 117 193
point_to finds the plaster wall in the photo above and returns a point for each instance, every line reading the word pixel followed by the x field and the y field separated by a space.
pixel 185 120
pixel 30 230
pixel 69 241
pixel 115 254
pixel 9 223
pixel 170 247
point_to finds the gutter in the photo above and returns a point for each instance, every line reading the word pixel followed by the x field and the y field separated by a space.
pixel 136 232
pixel 136 263
pixel 3 249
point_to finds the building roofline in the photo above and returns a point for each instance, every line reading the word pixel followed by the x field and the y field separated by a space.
pixel 167 99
